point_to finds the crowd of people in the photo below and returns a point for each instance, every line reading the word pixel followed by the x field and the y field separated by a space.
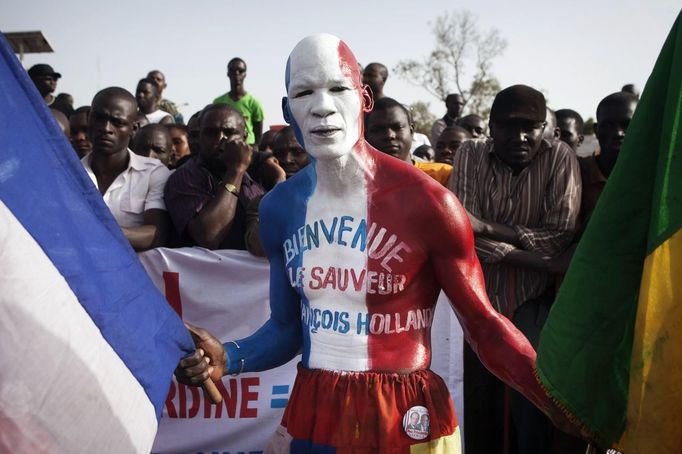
pixel 527 194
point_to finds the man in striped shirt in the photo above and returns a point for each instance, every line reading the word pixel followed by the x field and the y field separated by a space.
pixel 522 195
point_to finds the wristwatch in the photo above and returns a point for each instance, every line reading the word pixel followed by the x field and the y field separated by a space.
pixel 232 189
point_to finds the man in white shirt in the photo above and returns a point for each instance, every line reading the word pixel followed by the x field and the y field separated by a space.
pixel 132 185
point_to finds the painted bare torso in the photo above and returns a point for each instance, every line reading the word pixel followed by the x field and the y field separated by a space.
pixel 359 263
pixel 360 244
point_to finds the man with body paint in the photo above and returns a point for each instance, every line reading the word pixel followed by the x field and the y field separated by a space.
pixel 354 282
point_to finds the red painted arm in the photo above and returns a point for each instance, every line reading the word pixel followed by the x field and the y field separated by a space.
pixel 501 347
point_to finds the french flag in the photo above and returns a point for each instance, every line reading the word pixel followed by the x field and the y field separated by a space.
pixel 88 345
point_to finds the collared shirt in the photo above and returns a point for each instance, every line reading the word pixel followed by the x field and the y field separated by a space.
pixel 541 203
pixel 593 184
pixel 191 187
pixel 135 190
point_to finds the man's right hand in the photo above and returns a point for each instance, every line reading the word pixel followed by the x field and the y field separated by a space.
pixel 236 155
pixel 207 361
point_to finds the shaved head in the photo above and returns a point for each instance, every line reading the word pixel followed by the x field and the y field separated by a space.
pixel 313 50
pixel 375 75
pixel 117 93
pixel 379 68
pixel 111 121
pixel 158 77
pixel 325 96
pixel 618 99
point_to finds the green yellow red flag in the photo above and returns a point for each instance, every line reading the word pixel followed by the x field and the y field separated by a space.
pixel 611 351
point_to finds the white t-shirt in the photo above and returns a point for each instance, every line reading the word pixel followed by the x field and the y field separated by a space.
pixel 156 116
pixel 135 190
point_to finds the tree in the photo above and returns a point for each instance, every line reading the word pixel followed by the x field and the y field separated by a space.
pixel 460 44
pixel 422 118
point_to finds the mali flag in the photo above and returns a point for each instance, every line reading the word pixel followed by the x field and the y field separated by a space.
pixel 611 351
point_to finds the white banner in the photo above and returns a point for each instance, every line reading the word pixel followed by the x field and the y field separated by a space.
pixel 226 292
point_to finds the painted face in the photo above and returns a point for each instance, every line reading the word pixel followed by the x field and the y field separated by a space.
pixel 325 100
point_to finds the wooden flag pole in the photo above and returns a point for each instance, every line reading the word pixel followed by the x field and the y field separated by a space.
pixel 209 387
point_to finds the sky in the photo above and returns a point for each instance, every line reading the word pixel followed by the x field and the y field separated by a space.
pixel 575 52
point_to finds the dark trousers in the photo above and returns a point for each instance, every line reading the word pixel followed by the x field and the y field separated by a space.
pixel 484 404
pixel 532 428
pixel 499 420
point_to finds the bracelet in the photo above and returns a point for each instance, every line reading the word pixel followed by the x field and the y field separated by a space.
pixel 241 361
pixel 241 367
pixel 232 189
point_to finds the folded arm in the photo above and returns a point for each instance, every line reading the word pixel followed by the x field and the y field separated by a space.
pixel 503 349
pixel 500 346
pixel 153 233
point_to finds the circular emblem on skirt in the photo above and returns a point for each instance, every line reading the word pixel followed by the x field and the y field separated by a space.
pixel 416 422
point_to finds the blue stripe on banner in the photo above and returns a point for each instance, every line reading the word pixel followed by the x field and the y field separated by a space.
pixel 279 403
pixel 45 186
pixel 280 389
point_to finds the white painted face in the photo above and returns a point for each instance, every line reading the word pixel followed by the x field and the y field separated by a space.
pixel 325 103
